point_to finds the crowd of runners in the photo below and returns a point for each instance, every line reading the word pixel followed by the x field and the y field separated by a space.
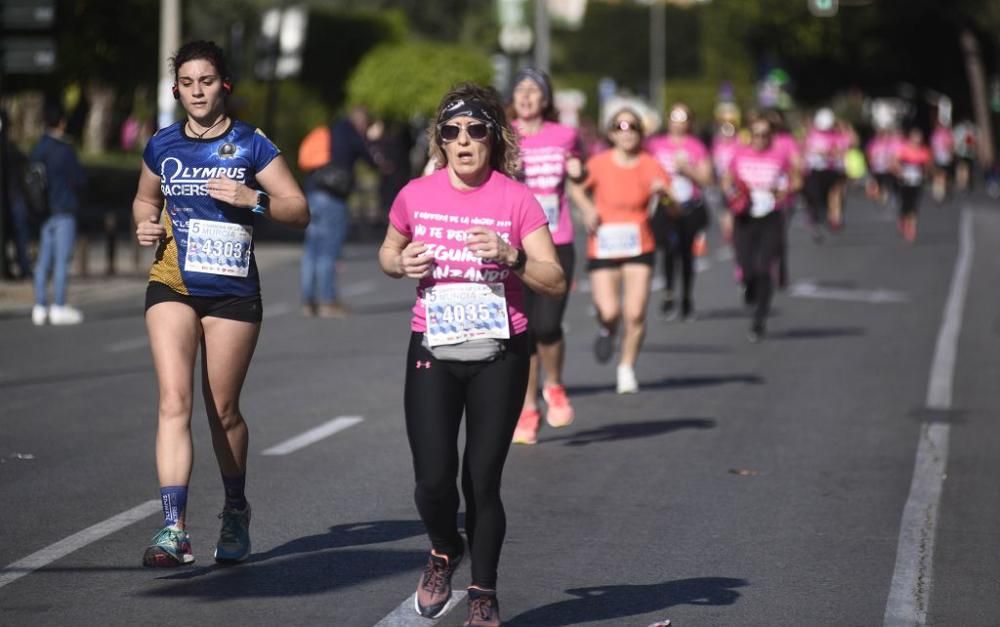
pixel 487 238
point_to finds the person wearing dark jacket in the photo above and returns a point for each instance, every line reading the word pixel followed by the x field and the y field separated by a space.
pixel 327 231
pixel 65 179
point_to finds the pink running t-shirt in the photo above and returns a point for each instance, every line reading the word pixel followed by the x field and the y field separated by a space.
pixel 543 158
pixel 942 145
pixel 785 143
pixel 824 150
pixel 723 149
pixel 669 151
pixel 882 152
pixel 430 210
pixel 763 172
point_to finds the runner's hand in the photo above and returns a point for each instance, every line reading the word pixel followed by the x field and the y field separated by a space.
pixel 416 261
pixel 486 244
pixel 231 192
pixel 574 168
pixel 149 233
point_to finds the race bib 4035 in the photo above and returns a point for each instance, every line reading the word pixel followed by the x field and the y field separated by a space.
pixel 459 312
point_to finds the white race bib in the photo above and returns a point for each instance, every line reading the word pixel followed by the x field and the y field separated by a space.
pixel 816 161
pixel 550 205
pixel 682 188
pixel 459 312
pixel 761 203
pixel 615 241
pixel 913 175
pixel 218 248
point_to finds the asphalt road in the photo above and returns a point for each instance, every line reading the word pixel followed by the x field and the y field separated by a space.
pixel 842 472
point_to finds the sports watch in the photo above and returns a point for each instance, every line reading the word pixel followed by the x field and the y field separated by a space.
pixel 263 202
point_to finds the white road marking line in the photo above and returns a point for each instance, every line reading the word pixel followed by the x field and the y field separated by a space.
pixel 406 614
pixel 808 289
pixel 909 594
pixel 313 435
pixel 49 554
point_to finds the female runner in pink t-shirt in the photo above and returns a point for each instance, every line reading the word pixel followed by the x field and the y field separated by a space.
pixel 677 225
pixel 550 161
pixel 764 174
pixel 470 236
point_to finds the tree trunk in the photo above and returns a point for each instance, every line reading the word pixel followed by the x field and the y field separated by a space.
pixel 977 85
pixel 97 128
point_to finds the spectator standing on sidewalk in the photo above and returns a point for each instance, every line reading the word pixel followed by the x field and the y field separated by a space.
pixel 328 186
pixel 65 178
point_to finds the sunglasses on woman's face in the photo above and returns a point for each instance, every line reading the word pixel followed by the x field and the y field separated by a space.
pixel 477 131
pixel 625 125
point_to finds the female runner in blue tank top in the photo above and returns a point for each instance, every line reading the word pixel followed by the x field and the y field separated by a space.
pixel 204 182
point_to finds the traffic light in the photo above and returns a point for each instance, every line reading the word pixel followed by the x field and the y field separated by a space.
pixel 823 8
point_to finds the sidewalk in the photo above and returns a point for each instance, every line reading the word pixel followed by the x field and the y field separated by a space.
pixel 90 282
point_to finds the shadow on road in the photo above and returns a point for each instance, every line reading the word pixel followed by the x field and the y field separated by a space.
pixel 731 313
pixel 691 381
pixel 310 568
pixel 815 333
pixel 630 430
pixel 615 603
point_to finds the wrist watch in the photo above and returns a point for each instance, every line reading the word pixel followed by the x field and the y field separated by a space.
pixel 521 260
pixel 263 203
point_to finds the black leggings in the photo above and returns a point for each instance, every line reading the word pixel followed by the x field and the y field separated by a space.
pixel 490 394
pixel 816 189
pixel 675 237
pixel 909 198
pixel 758 246
pixel 545 313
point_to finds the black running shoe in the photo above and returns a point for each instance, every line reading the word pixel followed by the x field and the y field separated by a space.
pixel 604 346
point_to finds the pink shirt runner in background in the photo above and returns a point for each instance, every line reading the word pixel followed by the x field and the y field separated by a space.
pixel 723 149
pixel 942 145
pixel 784 142
pixel 882 152
pixel 670 151
pixel 543 158
pixel 824 150
pixel 430 210
pixel 763 172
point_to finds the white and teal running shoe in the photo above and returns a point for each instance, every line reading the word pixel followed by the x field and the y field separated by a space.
pixel 171 547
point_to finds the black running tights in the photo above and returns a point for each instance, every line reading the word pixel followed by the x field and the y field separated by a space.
pixel 490 395
pixel 758 246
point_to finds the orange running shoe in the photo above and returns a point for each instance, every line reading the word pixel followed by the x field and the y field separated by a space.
pixel 699 248
pixel 560 412
pixel 526 431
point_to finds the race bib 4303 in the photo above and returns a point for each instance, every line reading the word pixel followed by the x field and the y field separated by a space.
pixel 218 248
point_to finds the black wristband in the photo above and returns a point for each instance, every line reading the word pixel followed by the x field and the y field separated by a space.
pixel 521 260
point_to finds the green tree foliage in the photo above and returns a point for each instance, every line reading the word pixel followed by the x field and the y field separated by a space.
pixel 338 41
pixel 399 81
pixel 614 41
